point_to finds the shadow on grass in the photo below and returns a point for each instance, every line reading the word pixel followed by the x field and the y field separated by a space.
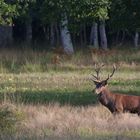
pixel 75 98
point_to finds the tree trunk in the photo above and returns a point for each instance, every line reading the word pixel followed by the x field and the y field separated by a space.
pixel 94 35
pixel 52 38
pixel 136 39
pixel 47 33
pixel 29 32
pixel 84 35
pixel 103 35
pixel 81 38
pixel 74 38
pixel 65 36
pixel 6 37
pixel 123 36
pixel 57 35
pixel 117 37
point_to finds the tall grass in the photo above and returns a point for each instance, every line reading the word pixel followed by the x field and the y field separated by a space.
pixel 55 101
pixel 66 122
pixel 27 60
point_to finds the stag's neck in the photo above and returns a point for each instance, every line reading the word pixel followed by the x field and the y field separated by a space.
pixel 108 93
pixel 106 97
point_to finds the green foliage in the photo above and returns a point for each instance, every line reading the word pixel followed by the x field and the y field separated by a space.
pixel 7 12
pixel 84 11
pixel 13 9
pixel 124 15
pixel 97 9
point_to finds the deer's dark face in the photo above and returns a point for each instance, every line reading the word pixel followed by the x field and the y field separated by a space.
pixel 100 86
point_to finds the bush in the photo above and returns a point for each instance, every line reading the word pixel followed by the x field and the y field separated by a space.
pixel 10 116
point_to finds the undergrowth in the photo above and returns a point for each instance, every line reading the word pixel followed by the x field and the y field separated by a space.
pixel 27 60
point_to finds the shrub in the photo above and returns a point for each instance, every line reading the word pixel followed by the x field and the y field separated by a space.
pixel 10 116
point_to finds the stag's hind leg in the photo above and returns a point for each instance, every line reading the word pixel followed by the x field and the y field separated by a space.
pixel 138 113
pixel 138 110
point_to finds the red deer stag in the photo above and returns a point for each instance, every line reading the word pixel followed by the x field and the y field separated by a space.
pixel 116 103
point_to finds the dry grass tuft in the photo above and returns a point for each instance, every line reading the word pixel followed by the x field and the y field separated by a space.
pixel 62 121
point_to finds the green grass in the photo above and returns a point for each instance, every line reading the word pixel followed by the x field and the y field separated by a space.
pixel 29 78
pixel 45 88
pixel 71 88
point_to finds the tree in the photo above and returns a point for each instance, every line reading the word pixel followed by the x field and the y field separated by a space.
pixel 7 12
pixel 136 21
pixel 24 18
pixel 102 13
pixel 57 12
pixel 119 18
pixel 124 19
pixel 97 11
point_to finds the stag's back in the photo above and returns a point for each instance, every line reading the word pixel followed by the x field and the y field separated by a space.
pixel 128 102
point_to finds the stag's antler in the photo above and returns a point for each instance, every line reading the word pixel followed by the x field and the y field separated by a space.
pixel 97 70
pixel 109 76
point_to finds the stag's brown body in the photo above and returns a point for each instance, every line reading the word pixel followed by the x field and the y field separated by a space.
pixel 117 103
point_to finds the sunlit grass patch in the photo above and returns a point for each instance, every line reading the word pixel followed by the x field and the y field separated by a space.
pixel 66 88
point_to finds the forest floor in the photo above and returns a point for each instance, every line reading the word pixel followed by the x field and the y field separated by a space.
pixel 43 100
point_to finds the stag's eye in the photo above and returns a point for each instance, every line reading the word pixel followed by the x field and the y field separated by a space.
pixel 98 85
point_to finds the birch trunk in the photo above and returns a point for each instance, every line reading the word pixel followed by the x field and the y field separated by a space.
pixel 136 39
pixel 94 35
pixel 65 36
pixel 103 35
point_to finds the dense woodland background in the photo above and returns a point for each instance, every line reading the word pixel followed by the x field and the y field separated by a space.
pixel 70 24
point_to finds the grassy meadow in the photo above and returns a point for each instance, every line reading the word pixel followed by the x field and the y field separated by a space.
pixel 41 99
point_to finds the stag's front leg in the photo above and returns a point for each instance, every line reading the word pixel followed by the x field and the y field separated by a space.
pixel 117 112
pixel 119 109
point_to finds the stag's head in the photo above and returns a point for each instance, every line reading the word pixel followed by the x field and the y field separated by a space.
pixel 101 84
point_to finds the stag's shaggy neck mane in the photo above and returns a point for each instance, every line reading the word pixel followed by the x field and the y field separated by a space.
pixel 105 90
pixel 107 99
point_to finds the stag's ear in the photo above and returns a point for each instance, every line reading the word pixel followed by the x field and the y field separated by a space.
pixel 104 83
